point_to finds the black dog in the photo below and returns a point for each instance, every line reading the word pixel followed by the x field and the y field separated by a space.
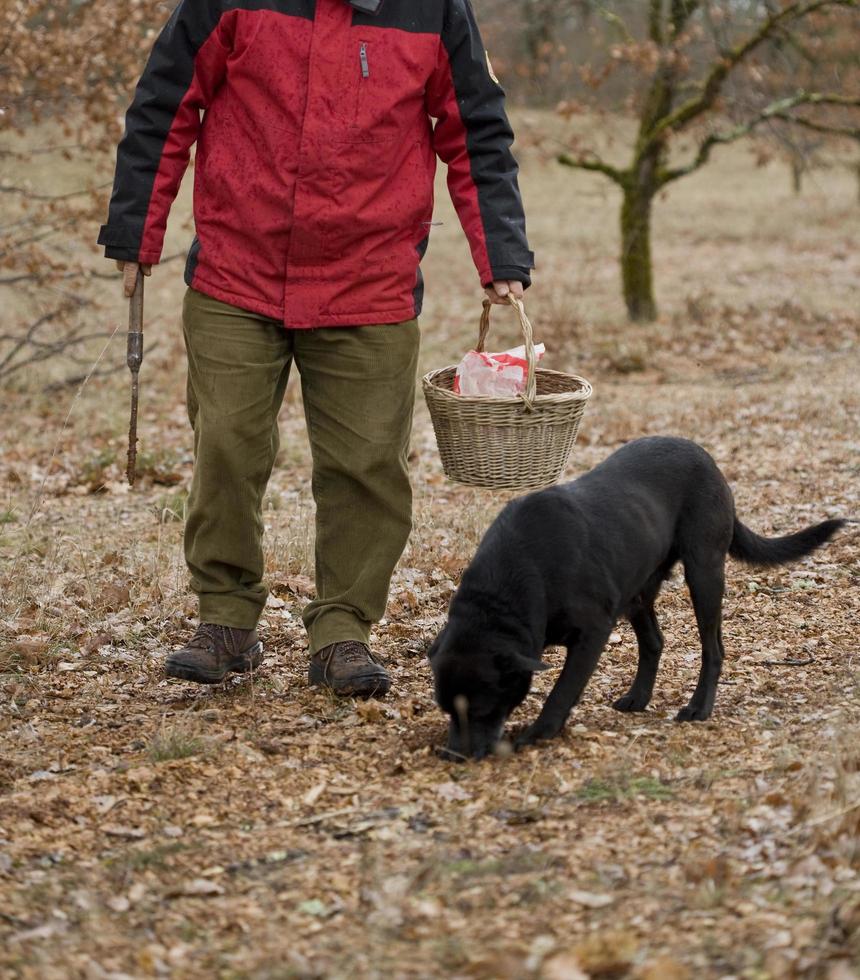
pixel 560 566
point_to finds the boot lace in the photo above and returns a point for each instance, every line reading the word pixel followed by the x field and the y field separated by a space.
pixel 350 652
pixel 205 637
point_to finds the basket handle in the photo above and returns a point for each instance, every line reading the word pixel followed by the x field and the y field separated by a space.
pixel 528 396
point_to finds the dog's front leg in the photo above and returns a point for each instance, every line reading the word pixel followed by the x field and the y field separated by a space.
pixel 650 641
pixel 582 657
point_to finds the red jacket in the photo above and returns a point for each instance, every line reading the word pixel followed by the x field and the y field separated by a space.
pixel 316 151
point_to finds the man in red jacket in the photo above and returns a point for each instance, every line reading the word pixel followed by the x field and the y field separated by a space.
pixel 313 197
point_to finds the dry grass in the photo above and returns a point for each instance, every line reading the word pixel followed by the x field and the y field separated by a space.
pixel 261 829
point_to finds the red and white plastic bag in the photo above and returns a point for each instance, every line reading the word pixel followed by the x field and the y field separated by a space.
pixel 502 375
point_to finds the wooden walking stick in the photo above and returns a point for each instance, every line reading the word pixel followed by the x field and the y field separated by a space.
pixel 134 358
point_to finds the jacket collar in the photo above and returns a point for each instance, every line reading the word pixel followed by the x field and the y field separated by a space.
pixel 366 6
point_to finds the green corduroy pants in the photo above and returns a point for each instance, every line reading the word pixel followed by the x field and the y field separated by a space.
pixel 358 389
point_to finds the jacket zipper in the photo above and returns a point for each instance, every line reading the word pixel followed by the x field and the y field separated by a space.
pixel 365 64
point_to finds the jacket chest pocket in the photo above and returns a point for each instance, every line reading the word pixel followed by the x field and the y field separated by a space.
pixel 384 81
pixel 361 78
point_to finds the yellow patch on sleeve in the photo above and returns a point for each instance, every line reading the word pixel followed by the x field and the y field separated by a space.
pixel 490 68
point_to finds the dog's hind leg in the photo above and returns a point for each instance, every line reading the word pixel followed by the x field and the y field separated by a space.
pixel 706 582
pixel 582 656
pixel 650 640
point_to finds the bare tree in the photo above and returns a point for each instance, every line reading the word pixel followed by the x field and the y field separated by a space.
pixel 537 44
pixel 687 62
pixel 820 55
pixel 67 68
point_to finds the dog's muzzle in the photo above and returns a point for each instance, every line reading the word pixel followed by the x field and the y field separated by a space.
pixel 474 742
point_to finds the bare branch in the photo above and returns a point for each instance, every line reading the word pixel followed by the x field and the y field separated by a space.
pixel 40 150
pixel 713 83
pixel 77 274
pixel 851 132
pixel 617 21
pixel 681 12
pixel 718 32
pixel 797 45
pixel 43 355
pixel 828 98
pixel 776 110
pixel 21 242
pixel 28 348
pixel 76 379
pixel 593 164
pixel 19 343
pixel 33 196
pixel 704 152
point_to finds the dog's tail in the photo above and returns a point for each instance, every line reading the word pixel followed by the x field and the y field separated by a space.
pixel 753 548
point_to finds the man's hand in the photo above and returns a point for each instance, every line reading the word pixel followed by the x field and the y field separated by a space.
pixel 129 274
pixel 502 288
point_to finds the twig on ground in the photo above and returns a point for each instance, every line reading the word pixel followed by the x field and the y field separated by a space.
pixel 825 817
pixel 321 817
pixel 528 787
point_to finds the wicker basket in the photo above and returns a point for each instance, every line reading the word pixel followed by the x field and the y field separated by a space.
pixel 520 443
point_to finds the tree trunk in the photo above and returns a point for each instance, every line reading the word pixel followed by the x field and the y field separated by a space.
pixel 641 183
pixel 636 274
pixel 796 175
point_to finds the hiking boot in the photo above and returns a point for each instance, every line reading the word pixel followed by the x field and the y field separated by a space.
pixel 349 668
pixel 213 652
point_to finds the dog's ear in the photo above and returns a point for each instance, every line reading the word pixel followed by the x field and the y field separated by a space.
pixel 522 662
pixel 433 649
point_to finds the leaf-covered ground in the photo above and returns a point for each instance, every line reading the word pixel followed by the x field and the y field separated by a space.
pixel 151 828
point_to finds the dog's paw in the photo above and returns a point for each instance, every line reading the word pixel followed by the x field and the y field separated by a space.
pixel 631 702
pixel 692 713
pixel 533 734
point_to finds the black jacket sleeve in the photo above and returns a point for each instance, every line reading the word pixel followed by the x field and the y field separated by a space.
pixel 184 69
pixel 473 136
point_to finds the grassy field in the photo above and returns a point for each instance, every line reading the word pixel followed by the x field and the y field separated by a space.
pixel 150 828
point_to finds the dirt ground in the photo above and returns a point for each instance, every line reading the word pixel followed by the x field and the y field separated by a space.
pixel 151 828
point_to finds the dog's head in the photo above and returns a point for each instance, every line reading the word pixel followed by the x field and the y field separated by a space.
pixel 478 683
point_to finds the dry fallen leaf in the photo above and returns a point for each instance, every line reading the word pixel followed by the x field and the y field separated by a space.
pixel 842 970
pixel 664 968
pixel 197 887
pixel 136 892
pixel 114 595
pixel 370 711
pixel 589 899
pixel 452 791
pixel 606 954
pixel 314 794
pixel 562 966
pixel 130 833
pixel 105 803
pixel 300 585
pixel 314 907
pixel 93 643
pixel 29 646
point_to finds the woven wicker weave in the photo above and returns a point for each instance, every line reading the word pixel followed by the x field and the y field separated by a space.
pixel 507 443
